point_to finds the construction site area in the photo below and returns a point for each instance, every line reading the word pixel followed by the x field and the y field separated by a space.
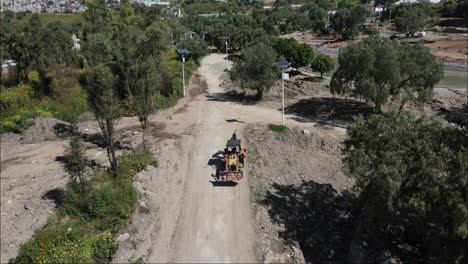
pixel 186 213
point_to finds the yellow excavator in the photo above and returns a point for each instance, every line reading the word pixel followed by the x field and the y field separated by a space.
pixel 234 157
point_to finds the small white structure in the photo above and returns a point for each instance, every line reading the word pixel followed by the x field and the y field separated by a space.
pixel 7 65
pixel 76 42
pixel 379 8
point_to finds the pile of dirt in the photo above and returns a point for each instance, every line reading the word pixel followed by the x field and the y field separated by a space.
pixel 289 173
pixel 198 85
pixel 452 49
pixel 44 128
pixel 297 86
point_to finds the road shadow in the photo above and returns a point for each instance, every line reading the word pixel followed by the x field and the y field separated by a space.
pixel 57 195
pixel 315 215
pixel 223 183
pixel 64 130
pixel 233 96
pixel 217 163
pixel 328 111
pixel 96 139
pixel 233 120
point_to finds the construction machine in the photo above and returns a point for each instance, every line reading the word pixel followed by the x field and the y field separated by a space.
pixel 234 158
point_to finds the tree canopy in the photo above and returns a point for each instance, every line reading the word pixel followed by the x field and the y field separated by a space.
pixel 386 69
pixel 323 64
pixel 197 48
pixel 298 54
pixel 256 68
pixel 347 21
pixel 410 18
pixel 412 180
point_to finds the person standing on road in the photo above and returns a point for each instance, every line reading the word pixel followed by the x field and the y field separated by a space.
pixel 242 156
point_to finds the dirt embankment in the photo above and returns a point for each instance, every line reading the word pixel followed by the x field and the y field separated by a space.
pixel 450 49
pixel 33 178
pixel 298 191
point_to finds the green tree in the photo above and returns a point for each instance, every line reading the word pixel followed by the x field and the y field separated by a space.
pixel 410 19
pixel 75 162
pixel 145 89
pixel 318 17
pixel 385 69
pixel 256 69
pixel 420 71
pixel 298 54
pixel 23 45
pixel 412 180
pixel 197 48
pixel 347 21
pixel 323 64
pixel 98 17
pixel 104 104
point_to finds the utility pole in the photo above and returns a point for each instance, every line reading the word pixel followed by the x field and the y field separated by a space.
pixel 183 74
pixel 283 65
pixel 182 52
pixel 282 85
pixel 226 50
pixel 226 38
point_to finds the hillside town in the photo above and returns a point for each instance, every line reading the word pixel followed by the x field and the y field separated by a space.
pixel 43 6
pixel 64 6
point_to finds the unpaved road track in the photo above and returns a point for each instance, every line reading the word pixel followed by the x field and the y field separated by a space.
pixel 191 219
pixel 215 224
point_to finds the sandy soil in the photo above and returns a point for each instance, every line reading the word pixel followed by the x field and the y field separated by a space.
pixel 28 172
pixel 450 49
pixel 294 177
pixel 189 218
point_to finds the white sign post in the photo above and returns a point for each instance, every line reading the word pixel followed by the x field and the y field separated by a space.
pixel 183 74
pixel 284 76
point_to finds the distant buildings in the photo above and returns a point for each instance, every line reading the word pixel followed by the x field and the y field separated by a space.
pixel 155 2
pixel 61 6
pixel 42 6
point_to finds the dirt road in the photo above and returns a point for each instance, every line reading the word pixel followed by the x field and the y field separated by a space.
pixel 191 219
pixel 215 224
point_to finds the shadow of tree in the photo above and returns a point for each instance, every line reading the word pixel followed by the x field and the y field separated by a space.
pixel 233 96
pixel 315 215
pixel 57 195
pixel 328 110
pixel 63 130
pixel 457 115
